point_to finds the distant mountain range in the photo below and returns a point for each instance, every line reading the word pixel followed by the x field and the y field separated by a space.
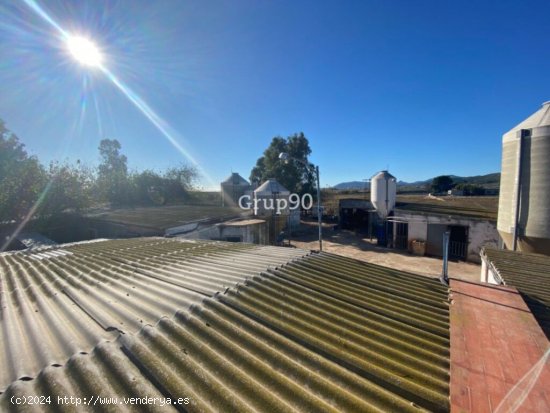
pixel 487 181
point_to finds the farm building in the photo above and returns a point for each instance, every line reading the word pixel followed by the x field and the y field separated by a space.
pixel 356 214
pixel 426 226
pixel 249 230
pixel 419 226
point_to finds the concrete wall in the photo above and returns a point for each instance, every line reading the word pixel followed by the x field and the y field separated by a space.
pixel 418 230
pixel 480 232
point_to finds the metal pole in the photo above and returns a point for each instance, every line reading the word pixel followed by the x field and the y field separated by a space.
pixel 319 209
pixel 445 275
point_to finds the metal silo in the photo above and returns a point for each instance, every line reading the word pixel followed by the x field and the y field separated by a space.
pixel 524 203
pixel 266 197
pixel 383 192
pixel 233 188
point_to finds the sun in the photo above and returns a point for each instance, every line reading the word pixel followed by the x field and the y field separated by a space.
pixel 84 51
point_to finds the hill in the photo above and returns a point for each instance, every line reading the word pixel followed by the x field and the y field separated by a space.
pixel 355 185
pixel 487 181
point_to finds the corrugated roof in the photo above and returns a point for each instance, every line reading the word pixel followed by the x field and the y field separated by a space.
pixel 449 210
pixel 319 333
pixel 60 301
pixel 530 274
pixel 164 217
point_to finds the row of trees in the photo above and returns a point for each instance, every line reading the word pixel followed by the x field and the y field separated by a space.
pixel 29 188
pixel 444 183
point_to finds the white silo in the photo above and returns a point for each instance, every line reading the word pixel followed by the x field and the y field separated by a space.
pixel 267 196
pixel 524 202
pixel 271 199
pixel 383 190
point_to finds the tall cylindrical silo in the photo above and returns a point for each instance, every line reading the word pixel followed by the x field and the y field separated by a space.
pixel 524 202
pixel 383 189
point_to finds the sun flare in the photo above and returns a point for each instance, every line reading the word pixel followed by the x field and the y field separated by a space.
pixel 84 51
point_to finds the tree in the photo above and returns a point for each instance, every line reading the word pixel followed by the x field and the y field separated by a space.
pixel 178 181
pixel 295 176
pixel 22 178
pixel 442 183
pixel 112 172
pixel 471 189
pixel 146 187
pixel 150 187
pixel 69 188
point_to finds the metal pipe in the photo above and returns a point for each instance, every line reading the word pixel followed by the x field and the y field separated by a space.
pixel 319 217
pixel 522 133
pixel 445 273
pixel 387 200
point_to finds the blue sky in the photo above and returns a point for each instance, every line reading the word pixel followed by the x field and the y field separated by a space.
pixel 424 87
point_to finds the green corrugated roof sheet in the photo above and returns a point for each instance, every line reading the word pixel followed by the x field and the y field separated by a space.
pixel 165 217
pixel 314 332
pixel 530 274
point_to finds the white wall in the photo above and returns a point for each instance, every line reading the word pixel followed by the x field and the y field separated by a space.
pixel 418 231
pixel 480 232
pixel 487 273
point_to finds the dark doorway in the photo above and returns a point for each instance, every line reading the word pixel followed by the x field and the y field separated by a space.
pixel 355 219
pixel 402 235
pixel 458 242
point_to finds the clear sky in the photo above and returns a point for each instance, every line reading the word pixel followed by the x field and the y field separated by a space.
pixel 424 87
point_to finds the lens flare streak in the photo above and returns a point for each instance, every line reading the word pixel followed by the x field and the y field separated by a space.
pixel 135 99
pixel 161 125
pixel 149 113
pixel 517 394
pixel 40 11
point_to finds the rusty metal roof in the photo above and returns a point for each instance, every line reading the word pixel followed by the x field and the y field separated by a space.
pixel 232 327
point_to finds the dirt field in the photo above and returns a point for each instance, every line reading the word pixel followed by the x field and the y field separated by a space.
pixel 475 206
pixel 347 243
